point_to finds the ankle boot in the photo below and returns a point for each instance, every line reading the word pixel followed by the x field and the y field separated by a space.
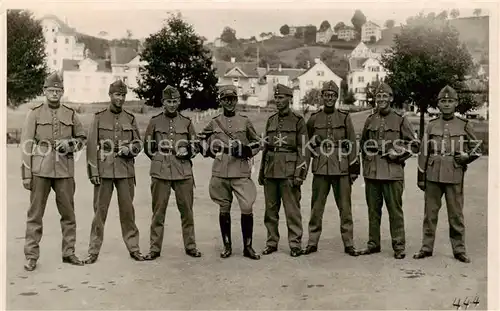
pixel 247 231
pixel 225 230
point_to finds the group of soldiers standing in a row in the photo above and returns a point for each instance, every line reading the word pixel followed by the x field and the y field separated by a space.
pixel 53 133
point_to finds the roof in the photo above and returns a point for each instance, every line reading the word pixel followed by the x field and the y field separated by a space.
pixel 249 69
pixel 319 62
pixel 372 23
pixel 388 36
pixel 72 65
pixel 356 63
pixel 122 55
pixel 292 73
pixel 64 28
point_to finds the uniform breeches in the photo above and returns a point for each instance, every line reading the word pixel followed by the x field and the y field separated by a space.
pixel 390 191
pixel 184 197
pixel 64 189
pixel 102 197
pixel 454 203
pixel 277 191
pixel 221 192
pixel 342 193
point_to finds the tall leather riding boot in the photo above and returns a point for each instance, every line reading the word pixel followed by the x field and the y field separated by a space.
pixel 247 231
pixel 225 230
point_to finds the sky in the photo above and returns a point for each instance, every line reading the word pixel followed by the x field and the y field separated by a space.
pixel 208 20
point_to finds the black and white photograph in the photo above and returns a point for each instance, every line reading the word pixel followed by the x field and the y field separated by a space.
pixel 249 155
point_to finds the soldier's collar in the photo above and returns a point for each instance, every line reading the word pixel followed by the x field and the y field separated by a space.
pixel 448 117
pixel 284 113
pixel 114 109
pixel 171 115
pixel 328 110
pixel 229 113
pixel 53 106
pixel 385 112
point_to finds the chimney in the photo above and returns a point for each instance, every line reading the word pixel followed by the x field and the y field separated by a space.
pixel 233 59
pixel 279 67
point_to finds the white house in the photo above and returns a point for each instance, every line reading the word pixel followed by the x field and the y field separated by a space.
pixel 324 36
pixel 370 31
pixel 363 51
pixel 361 72
pixel 314 77
pixel 347 33
pixel 60 42
pixel 218 43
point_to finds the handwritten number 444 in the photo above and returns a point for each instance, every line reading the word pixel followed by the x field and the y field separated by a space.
pixel 466 303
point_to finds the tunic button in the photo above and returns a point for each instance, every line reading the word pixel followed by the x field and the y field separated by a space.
pixel 229 125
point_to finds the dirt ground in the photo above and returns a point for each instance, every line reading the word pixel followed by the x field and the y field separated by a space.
pixel 328 279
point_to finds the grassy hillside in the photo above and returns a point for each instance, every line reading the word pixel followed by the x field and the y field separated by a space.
pixel 315 51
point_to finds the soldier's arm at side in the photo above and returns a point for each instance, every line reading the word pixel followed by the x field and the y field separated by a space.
pixel 474 145
pixel 253 139
pixel 79 137
pixel 149 142
pixel 301 166
pixel 410 144
pixel 27 142
pixel 364 138
pixel 194 147
pixel 135 146
pixel 423 156
pixel 204 144
pixel 92 146
pixel 353 156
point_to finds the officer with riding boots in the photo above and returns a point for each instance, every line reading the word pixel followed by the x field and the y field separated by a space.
pixel 387 141
pixel 51 135
pixel 448 146
pixel 283 169
pixel 335 165
pixel 113 144
pixel 169 143
pixel 231 140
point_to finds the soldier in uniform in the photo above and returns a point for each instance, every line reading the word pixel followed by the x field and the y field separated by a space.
pixel 51 134
pixel 387 141
pixel 169 144
pixel 283 169
pixel 448 146
pixel 335 165
pixel 231 140
pixel 113 144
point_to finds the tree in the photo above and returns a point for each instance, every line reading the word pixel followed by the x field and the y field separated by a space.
pixel 228 35
pixel 324 26
pixel 358 20
pixel 285 30
pixel 426 56
pixel 310 35
pixel 443 15
pixel 303 59
pixel 312 98
pixel 175 56
pixel 338 26
pixel 349 98
pixel 328 57
pixel 26 67
pixel 129 34
pixel 455 13
pixel 477 12
pixel 389 23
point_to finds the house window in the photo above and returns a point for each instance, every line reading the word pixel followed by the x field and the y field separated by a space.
pixel 309 82
pixel 361 79
pixel 66 40
pixel 55 51
pixel 236 80
pixel 53 30
pixel 125 80
pixel 320 73
pixel 55 40
pixel 320 83
pixel 54 62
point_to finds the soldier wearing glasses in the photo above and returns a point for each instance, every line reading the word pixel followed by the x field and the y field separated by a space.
pixel 283 170
pixel 113 144
pixel 335 165
pixel 51 134
pixel 168 142
pixel 231 140
pixel 387 141
pixel 448 146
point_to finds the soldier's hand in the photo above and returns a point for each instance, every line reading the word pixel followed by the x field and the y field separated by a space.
pixel 393 155
pixel 182 152
pixel 62 146
pixel 461 158
pixel 297 182
pixel 27 183
pixel 353 178
pixel 261 180
pixel 96 180
pixel 123 151
pixel 421 185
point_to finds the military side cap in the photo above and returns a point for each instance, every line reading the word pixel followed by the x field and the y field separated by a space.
pixel 330 86
pixel 54 80
pixel 228 90
pixel 383 88
pixel 117 87
pixel 448 92
pixel 281 89
pixel 170 92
